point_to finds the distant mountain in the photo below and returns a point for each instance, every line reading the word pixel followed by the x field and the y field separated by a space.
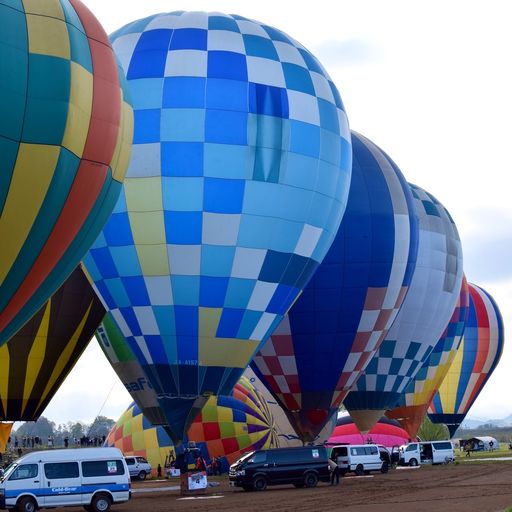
pixel 472 422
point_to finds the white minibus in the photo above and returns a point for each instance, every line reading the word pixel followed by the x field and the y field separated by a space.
pixel 429 452
pixel 94 478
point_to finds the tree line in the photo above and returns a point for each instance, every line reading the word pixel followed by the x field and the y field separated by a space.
pixel 45 429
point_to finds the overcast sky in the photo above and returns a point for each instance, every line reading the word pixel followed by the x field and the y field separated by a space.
pixel 430 82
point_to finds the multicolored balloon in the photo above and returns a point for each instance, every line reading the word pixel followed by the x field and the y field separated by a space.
pixel 35 362
pixel 65 135
pixel 426 310
pixel 227 427
pixel 478 355
pixel 414 403
pixel 237 184
pixel 321 347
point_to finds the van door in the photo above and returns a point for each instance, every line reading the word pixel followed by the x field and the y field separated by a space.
pixel 373 458
pixel 25 478
pixel 62 484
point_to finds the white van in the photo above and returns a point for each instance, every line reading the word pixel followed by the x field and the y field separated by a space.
pixel 431 452
pixel 138 467
pixel 92 477
pixel 361 459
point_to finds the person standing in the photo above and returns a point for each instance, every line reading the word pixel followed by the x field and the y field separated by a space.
pixel 159 471
pixel 335 470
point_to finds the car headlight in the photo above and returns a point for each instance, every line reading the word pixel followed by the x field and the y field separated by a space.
pixel 240 473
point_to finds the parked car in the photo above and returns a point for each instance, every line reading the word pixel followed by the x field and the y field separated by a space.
pixel 430 452
pixel 138 467
pixel 302 466
pixel 95 478
pixel 361 459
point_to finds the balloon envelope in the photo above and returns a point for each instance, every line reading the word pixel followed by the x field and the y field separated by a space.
pixel 64 114
pixel 35 362
pixel 320 348
pixel 476 359
pixel 414 403
pixel 425 312
pixel 237 184
pixel 386 432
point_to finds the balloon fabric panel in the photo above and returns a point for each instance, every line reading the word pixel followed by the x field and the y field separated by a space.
pixel 128 369
pixel 63 107
pixel 478 356
pixel 238 181
pixel 36 361
pixel 334 328
pixel 428 306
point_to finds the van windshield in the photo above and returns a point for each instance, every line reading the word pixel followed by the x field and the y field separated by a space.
pixel 8 470
pixel 244 458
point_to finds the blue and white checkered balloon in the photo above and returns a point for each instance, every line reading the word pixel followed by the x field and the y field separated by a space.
pixel 237 185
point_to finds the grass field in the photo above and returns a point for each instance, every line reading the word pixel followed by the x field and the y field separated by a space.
pixel 502 453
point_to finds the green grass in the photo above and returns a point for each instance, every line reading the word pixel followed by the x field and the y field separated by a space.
pixel 476 456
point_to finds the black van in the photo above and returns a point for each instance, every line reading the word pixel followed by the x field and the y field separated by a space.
pixel 301 466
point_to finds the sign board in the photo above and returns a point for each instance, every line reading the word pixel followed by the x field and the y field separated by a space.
pixel 197 481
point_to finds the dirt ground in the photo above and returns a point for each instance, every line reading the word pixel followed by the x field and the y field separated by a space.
pixel 454 488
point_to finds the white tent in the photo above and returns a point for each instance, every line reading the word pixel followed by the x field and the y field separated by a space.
pixel 483 443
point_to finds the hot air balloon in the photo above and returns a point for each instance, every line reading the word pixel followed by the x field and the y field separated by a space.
pixel 426 310
pixel 414 402
pixel 129 370
pixel 316 353
pixel 36 361
pixel 64 113
pixel 478 355
pixel 237 183
pixel 386 432
pixel 228 426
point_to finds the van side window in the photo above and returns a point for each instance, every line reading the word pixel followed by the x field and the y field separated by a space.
pixel 102 468
pixel 142 459
pixel 446 445
pixel 55 470
pixel 412 448
pixel 259 457
pixel 24 471
pixel 371 450
pixel 130 462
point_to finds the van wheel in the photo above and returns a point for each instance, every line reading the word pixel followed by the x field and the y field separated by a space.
pixel 384 468
pixel 310 480
pixel 101 503
pixel 142 475
pixel 413 462
pixel 259 483
pixel 27 504
pixel 359 470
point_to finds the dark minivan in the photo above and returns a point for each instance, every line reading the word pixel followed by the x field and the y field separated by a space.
pixel 302 466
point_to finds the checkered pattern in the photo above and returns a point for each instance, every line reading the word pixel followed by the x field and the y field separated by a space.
pixel 476 359
pixel 237 183
pixel 228 427
pixel 426 310
pixel 65 137
pixel 422 388
pixel 318 351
